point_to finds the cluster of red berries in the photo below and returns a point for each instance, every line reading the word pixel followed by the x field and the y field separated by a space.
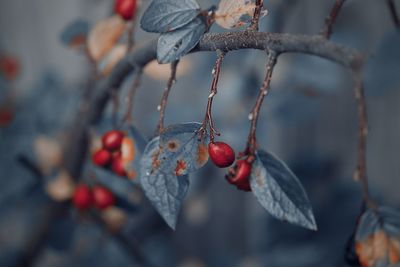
pixel 223 156
pixel 110 155
pixel 125 8
pixel 85 197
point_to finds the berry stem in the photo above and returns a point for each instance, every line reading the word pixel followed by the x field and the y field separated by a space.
pixel 208 120
pixel 331 18
pixel 264 89
pixel 256 17
pixel 360 174
pixel 164 99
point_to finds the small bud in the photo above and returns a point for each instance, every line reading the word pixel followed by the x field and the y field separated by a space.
pixel 159 107
pixel 251 116
pixel 211 95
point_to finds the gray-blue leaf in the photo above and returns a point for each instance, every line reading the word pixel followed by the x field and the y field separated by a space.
pixel 384 219
pixel 164 190
pixel 280 192
pixel 173 45
pixel 182 150
pixel 167 15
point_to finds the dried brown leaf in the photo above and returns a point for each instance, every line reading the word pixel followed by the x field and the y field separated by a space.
pixel 104 36
pixel 232 14
pixel 109 62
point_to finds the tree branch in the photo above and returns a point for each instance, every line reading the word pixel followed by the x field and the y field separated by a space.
pixel 141 55
pixel 163 104
pixel 331 18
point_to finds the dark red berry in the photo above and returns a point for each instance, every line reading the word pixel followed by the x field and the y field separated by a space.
pixel 125 8
pixel 242 172
pixel 102 157
pixel 82 197
pixel 102 197
pixel 9 67
pixel 221 154
pixel 6 116
pixel 118 167
pixel 245 186
pixel 112 140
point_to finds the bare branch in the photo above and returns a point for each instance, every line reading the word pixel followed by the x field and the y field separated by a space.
pixel 252 141
pixel 393 13
pixel 141 55
pixel 331 18
pixel 163 104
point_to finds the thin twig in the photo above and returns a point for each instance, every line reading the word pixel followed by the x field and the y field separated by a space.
pixel 360 174
pixel 163 104
pixel 393 13
pixel 31 166
pixel 131 96
pixel 256 16
pixel 264 89
pixel 208 121
pixel 331 18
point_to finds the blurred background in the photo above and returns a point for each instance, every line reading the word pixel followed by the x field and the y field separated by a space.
pixel 309 119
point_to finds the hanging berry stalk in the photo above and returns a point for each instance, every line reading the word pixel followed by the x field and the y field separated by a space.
pixel 208 121
pixel 252 140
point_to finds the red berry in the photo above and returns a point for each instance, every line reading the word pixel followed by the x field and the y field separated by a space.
pixel 6 116
pixel 102 157
pixel 125 8
pixel 9 67
pixel 118 167
pixel 82 197
pixel 112 140
pixel 245 186
pixel 239 175
pixel 102 197
pixel 242 172
pixel 221 154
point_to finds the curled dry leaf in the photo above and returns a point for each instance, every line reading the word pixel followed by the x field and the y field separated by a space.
pixel 48 152
pixel 61 188
pixel 232 14
pixel 161 72
pixel 378 247
pixel 104 35
pixel 109 61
